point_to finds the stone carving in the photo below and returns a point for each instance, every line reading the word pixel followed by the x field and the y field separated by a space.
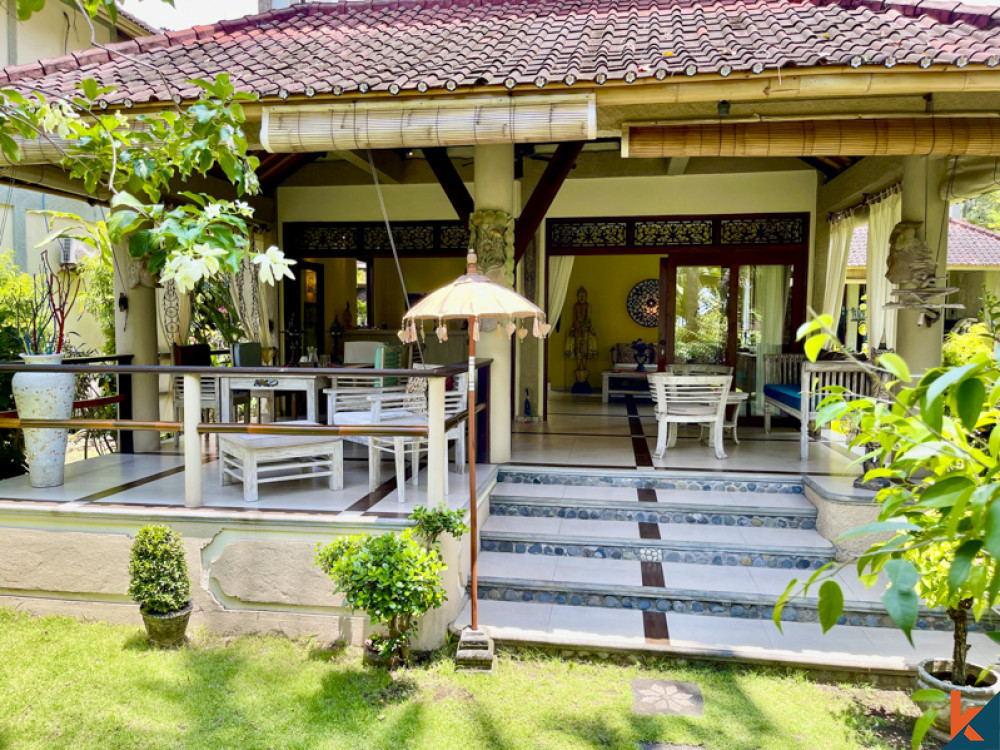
pixel 581 341
pixel 492 238
pixel 911 266
pixel 910 260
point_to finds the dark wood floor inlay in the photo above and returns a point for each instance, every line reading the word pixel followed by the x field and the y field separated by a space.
pixel 649 530
pixel 652 574
pixel 640 448
pixel 654 626
pixel 646 495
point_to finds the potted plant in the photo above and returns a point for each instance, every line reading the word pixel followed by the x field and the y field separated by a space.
pixel 159 584
pixel 939 515
pixel 394 578
pixel 42 308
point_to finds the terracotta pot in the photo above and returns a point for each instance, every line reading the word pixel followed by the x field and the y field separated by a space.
pixel 44 395
pixel 167 631
pixel 929 677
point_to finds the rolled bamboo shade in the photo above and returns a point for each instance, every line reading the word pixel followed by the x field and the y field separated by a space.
pixel 44 150
pixel 423 123
pixel 856 137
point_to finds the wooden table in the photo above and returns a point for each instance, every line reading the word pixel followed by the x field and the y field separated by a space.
pixel 311 385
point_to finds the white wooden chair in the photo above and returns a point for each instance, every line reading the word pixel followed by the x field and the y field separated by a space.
pixel 393 405
pixel 689 399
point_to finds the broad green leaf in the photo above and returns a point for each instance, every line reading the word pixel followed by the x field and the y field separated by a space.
pixel 879 527
pixel 814 345
pixel 831 604
pixel 928 694
pixel 780 604
pixel 991 533
pixel 921 726
pixel 961 565
pixel 948 379
pixel 900 599
pixel 969 398
pixel 945 492
pixel 896 365
pixel 828 412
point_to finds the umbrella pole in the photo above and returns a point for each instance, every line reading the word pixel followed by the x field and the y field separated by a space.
pixel 473 520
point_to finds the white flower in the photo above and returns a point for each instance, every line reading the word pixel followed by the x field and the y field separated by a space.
pixel 243 208
pixel 212 211
pixel 186 269
pixel 273 265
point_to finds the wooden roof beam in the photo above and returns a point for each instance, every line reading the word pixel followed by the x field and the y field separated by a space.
pixel 388 164
pixel 451 182
pixel 556 172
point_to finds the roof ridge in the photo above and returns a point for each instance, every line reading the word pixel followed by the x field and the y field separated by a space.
pixel 963 222
pixel 159 40
pixel 944 11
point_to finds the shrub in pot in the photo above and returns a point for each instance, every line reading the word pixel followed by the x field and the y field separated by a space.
pixel 159 584
pixel 393 578
pixel 936 442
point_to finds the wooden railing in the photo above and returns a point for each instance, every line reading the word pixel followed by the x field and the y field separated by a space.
pixel 191 427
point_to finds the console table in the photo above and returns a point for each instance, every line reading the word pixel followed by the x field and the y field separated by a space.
pixel 624 383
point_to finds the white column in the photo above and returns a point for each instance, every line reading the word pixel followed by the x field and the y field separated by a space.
pixel 192 441
pixel 920 346
pixel 437 447
pixel 495 189
pixel 135 333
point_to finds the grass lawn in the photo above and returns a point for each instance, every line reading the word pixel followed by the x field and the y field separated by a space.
pixel 65 684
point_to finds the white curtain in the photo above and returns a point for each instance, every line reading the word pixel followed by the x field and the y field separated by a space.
pixel 882 219
pixel 173 311
pixel 254 303
pixel 560 269
pixel 841 232
pixel 771 293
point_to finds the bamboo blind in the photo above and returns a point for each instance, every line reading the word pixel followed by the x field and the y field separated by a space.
pixel 44 150
pixel 420 124
pixel 887 137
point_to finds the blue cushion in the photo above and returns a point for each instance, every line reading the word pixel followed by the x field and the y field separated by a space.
pixel 788 394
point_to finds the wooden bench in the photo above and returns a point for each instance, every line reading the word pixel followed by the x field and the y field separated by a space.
pixel 796 386
pixel 257 459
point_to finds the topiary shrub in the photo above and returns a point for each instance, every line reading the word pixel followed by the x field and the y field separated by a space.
pixel 393 578
pixel 158 571
pixel 431 523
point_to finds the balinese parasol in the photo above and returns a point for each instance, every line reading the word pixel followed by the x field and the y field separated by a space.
pixel 474 297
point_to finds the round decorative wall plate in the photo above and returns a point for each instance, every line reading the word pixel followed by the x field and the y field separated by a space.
pixel 643 303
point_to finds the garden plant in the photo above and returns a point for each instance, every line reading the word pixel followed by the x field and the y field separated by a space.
pixel 159 583
pixel 939 516
pixel 394 578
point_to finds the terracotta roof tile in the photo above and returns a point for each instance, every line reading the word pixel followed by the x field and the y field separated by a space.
pixel 968 245
pixel 473 42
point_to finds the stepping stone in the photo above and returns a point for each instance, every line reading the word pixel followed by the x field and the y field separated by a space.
pixel 667 698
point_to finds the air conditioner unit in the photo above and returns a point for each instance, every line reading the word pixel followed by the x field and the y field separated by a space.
pixel 71 251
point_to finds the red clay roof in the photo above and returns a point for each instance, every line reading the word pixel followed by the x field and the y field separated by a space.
pixel 968 245
pixel 380 45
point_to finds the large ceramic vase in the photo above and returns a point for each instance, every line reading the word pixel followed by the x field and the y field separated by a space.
pixel 933 675
pixel 44 395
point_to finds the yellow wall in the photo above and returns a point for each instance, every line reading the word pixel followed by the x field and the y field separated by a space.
pixel 607 279
pixel 56 30
pixel 426 202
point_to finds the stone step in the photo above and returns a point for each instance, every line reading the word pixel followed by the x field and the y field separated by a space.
pixel 750 546
pixel 677 507
pixel 682 588
pixel 858 649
